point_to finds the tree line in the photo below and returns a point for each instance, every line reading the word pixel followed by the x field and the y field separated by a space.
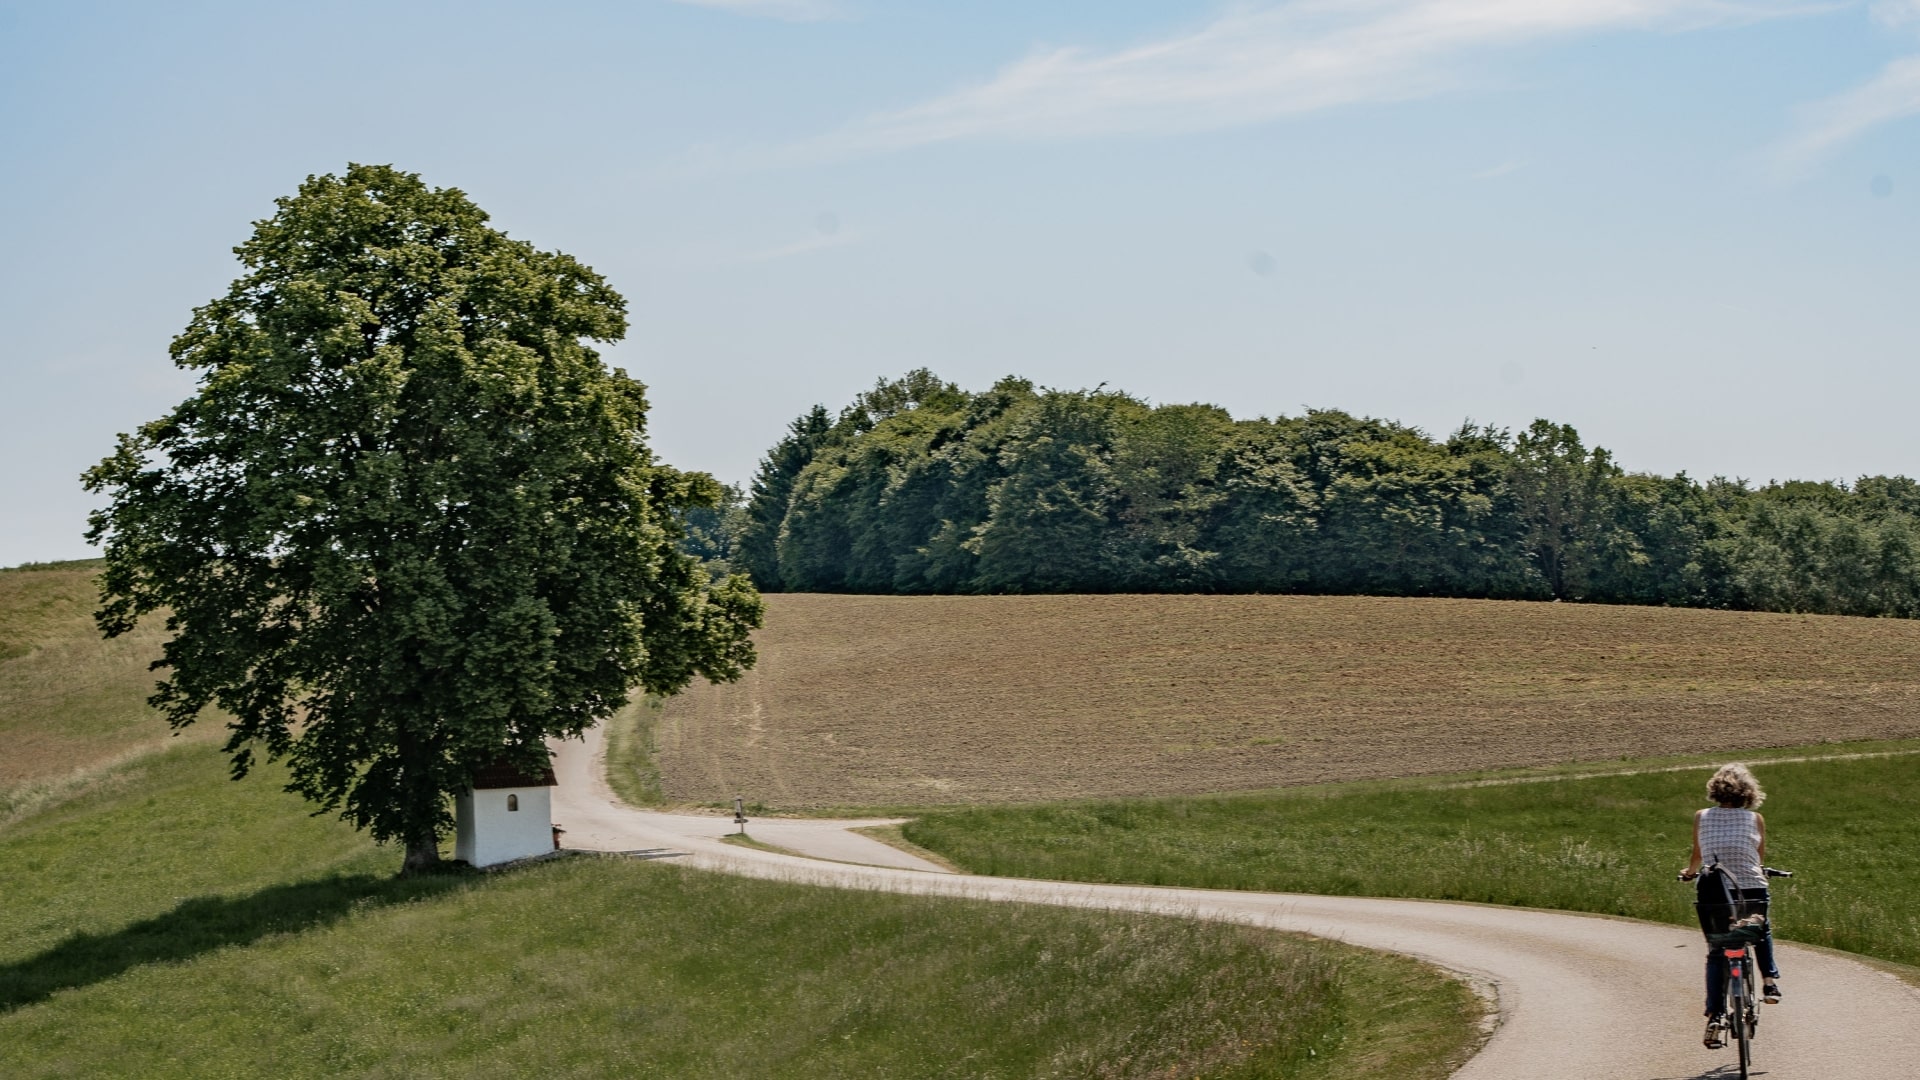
pixel 919 486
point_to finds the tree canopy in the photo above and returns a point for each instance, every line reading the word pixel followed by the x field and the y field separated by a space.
pixel 921 487
pixel 408 524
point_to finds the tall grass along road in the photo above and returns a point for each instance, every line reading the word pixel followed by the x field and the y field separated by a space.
pixel 1579 997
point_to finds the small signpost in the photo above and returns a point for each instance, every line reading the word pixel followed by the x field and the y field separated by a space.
pixel 740 814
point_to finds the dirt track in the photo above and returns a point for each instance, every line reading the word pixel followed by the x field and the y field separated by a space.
pixel 1578 996
pixel 903 701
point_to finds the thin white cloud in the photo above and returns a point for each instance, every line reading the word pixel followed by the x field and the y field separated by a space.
pixel 1825 126
pixel 1255 64
pixel 1502 169
pixel 787 10
pixel 1895 12
pixel 800 247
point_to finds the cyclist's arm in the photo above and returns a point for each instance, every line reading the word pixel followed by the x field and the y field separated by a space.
pixel 1693 864
pixel 1761 824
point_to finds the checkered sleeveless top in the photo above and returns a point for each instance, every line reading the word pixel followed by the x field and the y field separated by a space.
pixel 1732 836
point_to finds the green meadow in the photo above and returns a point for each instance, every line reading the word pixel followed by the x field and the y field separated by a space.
pixel 176 924
pixel 163 921
pixel 1849 829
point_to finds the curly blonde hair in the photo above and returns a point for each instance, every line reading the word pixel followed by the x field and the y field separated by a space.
pixel 1734 785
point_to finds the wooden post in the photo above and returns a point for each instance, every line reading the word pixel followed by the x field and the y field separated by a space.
pixel 740 814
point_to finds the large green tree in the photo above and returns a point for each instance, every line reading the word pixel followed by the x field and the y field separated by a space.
pixel 1563 495
pixel 408 524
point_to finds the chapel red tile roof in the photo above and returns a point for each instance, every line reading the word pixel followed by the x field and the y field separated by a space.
pixel 502 774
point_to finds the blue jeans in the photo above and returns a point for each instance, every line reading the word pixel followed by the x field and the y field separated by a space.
pixel 1746 902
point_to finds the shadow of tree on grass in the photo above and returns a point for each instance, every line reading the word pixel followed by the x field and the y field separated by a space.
pixel 201 925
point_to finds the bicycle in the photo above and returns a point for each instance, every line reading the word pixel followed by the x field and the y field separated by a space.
pixel 1746 925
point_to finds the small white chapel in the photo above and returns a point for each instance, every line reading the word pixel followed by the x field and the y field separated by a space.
pixel 506 815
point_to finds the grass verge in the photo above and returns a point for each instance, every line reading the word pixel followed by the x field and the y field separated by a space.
pixel 746 841
pixel 1607 844
pixel 895 836
pixel 176 924
pixel 630 770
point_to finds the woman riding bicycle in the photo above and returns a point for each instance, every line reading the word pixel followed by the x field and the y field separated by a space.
pixel 1732 836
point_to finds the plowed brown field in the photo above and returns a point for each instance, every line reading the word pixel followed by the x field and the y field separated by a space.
pixel 895 701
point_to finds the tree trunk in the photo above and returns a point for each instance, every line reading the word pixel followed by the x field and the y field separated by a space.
pixel 420 799
pixel 423 857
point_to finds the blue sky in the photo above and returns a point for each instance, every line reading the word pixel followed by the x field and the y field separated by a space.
pixel 1689 228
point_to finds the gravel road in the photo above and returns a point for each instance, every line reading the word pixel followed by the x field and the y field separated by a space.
pixel 1574 996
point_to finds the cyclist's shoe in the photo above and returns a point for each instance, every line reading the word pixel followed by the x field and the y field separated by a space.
pixel 1716 1035
pixel 1770 993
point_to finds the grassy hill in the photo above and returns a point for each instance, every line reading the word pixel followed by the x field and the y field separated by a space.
pixel 177 924
pixel 162 921
pixel 70 703
pixel 919 701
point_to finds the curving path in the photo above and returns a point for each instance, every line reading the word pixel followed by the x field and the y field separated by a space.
pixel 1578 996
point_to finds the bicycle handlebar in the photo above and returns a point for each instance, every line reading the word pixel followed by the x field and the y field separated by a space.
pixel 1770 871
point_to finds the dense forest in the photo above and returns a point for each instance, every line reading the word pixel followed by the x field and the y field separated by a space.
pixel 921 487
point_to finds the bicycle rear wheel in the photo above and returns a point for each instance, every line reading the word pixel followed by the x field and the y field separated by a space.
pixel 1741 1018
